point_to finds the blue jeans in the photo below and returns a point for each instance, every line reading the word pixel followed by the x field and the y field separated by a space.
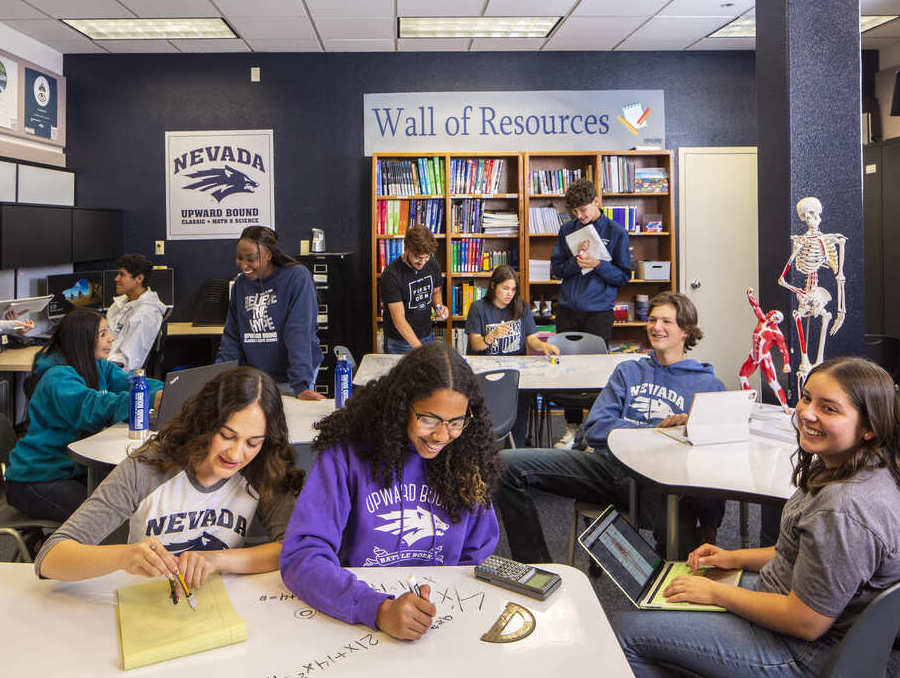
pixel 657 643
pixel 392 345
pixel 54 500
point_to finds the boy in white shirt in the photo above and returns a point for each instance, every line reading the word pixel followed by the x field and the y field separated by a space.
pixel 135 315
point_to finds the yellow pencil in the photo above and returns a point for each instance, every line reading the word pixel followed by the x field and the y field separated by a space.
pixel 187 594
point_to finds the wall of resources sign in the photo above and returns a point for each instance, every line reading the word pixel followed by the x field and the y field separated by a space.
pixel 218 183
pixel 444 122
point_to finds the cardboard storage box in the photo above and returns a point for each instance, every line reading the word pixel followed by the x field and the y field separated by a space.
pixel 653 270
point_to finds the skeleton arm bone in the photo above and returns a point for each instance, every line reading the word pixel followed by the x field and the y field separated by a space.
pixel 840 279
pixel 787 267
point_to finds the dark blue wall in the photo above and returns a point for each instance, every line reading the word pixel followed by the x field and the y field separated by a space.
pixel 119 107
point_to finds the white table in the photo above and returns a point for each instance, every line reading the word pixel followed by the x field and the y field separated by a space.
pixel 111 445
pixel 65 629
pixel 757 470
pixel 575 372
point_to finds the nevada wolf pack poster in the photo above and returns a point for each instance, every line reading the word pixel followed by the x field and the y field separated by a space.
pixel 218 183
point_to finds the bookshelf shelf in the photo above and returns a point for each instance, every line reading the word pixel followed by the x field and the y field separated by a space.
pixel 485 196
pixel 485 236
pixel 641 194
pixel 545 282
pixel 437 236
pixel 413 196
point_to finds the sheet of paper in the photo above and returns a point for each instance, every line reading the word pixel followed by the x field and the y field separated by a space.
pixel 153 629
pixel 595 247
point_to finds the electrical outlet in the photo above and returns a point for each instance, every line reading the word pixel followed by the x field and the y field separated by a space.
pixel 160 247
pixel 254 74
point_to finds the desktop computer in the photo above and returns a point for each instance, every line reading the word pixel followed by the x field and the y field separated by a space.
pixel 75 290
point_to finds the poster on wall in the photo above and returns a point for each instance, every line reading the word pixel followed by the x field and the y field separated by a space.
pixel 9 92
pixel 541 120
pixel 218 183
pixel 41 105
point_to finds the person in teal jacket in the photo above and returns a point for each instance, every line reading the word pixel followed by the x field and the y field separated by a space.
pixel 78 393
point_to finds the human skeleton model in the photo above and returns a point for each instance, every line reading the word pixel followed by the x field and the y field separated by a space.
pixel 810 252
pixel 766 333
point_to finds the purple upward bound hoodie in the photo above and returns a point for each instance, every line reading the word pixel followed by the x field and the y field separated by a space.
pixel 344 519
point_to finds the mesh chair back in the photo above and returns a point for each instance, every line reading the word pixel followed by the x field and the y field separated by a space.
pixel 500 389
pixel 578 343
pixel 866 648
pixel 156 355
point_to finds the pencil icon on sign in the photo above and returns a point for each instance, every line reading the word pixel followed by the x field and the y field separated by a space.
pixel 633 117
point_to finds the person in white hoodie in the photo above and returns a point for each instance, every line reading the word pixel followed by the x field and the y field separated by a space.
pixel 136 313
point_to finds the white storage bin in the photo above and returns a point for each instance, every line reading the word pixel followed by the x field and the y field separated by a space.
pixel 653 270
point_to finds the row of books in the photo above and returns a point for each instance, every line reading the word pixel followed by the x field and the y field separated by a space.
pixel 463 295
pixel 624 215
pixel 393 216
pixel 470 256
pixel 545 219
pixel 557 180
pixel 388 250
pixel 475 175
pixel 465 215
pixel 621 175
pixel 418 176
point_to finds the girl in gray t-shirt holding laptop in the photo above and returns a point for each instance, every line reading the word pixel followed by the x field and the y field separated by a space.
pixel 837 549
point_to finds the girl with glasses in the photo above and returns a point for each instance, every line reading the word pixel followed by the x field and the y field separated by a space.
pixel 403 476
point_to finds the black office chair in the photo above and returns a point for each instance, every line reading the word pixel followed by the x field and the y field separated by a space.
pixel 500 389
pixel 153 365
pixel 884 350
pixel 866 648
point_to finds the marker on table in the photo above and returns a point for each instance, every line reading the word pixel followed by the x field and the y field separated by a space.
pixel 187 594
pixel 413 586
pixel 173 592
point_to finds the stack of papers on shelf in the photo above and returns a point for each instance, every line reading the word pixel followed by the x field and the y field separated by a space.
pixel 500 223
pixel 538 269
pixel 770 421
pixel 545 220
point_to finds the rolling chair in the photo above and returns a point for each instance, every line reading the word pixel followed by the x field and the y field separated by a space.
pixel 156 356
pixel 500 389
pixel 12 521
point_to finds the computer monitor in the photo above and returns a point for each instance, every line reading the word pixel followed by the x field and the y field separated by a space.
pixel 35 235
pixel 96 234
pixel 74 290
pixel 162 281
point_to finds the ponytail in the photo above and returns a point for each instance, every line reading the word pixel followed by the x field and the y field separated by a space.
pixel 268 238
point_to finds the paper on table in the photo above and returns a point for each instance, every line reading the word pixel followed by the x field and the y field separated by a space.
pixel 152 629
pixel 596 248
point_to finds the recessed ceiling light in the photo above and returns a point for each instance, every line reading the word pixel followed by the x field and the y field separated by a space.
pixel 745 26
pixel 477 26
pixel 152 29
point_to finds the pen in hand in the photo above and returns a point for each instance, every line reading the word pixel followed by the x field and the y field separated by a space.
pixel 187 594
pixel 413 586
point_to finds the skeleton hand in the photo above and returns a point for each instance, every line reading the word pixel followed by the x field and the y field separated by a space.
pixel 838 321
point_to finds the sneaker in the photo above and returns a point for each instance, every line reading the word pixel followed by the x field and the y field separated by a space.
pixel 547 311
pixel 568 439
pixel 536 309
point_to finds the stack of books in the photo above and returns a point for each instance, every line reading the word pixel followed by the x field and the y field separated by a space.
pixel 545 220
pixel 500 223
pixel 538 269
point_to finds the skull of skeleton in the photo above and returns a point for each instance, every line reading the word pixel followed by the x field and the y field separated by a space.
pixel 810 212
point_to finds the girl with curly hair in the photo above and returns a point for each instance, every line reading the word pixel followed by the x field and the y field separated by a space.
pixel 190 493
pixel 837 549
pixel 403 476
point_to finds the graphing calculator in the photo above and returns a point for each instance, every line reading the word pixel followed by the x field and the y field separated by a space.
pixel 515 576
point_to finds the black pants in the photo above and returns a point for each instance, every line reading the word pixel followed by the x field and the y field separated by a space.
pixel 594 322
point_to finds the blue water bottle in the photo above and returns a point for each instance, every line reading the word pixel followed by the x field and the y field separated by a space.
pixel 139 407
pixel 343 384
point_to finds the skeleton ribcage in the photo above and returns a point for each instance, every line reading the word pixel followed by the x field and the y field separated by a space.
pixel 814 252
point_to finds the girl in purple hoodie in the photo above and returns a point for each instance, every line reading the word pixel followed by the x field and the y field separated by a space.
pixel 403 476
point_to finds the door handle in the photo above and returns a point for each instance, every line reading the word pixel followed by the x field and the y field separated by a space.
pixel 696 284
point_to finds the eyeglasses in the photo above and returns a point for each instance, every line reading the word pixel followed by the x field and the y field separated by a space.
pixel 455 426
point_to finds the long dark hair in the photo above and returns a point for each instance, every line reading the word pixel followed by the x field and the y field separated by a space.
pixel 184 442
pixel 376 418
pixel 75 339
pixel 872 392
pixel 268 238
pixel 500 275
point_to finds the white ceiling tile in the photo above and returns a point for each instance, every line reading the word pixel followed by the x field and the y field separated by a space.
pixel 707 8
pixel 673 29
pixel 77 47
pixel 879 7
pixel 433 8
pixel 506 44
pixel 156 9
pixel 593 32
pixel 211 45
pixel 16 9
pixel 351 8
pixel 359 45
pixel 281 28
pixel 643 8
pixel 529 7
pixel 137 46
pixel 44 29
pixel 83 9
pixel 433 44
pixel 356 28
pixel 888 30
pixel 251 8
pixel 721 44
pixel 263 45
pixel 878 43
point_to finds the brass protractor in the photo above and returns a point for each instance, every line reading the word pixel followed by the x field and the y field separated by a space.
pixel 505 629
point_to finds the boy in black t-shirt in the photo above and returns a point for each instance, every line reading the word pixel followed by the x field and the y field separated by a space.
pixel 410 287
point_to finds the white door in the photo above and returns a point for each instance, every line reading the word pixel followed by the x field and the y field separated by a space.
pixel 718 251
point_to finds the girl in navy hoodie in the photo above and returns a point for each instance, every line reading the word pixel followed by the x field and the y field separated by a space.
pixel 403 477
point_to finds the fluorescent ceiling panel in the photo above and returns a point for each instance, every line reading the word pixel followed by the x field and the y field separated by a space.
pixel 880 26
pixel 476 27
pixel 151 29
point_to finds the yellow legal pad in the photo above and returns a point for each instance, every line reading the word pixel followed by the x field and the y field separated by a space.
pixel 152 629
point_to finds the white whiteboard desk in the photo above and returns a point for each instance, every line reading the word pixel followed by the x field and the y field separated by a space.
pixel 68 629
pixel 757 470
pixel 110 445
pixel 577 372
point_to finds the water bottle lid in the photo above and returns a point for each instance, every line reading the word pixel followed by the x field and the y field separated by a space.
pixel 139 372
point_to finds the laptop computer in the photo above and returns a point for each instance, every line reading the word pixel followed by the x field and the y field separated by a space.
pixel 181 385
pixel 717 417
pixel 635 567
pixel 24 305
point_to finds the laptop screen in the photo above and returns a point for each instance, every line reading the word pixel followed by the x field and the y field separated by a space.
pixel 623 553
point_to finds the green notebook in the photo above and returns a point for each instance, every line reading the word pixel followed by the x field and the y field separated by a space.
pixel 152 629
